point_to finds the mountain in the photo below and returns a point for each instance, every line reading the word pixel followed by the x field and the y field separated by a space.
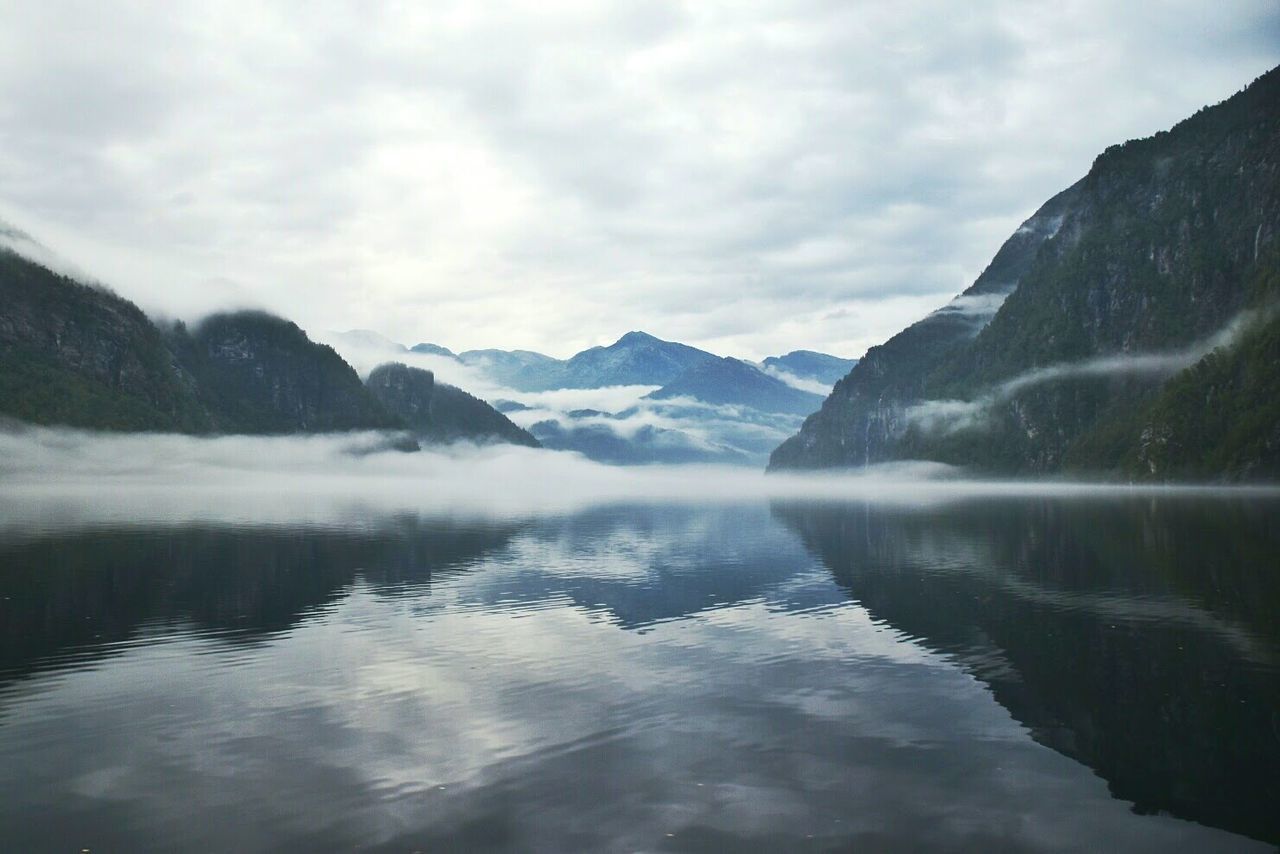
pixel 1107 332
pixel 636 358
pixel 440 412
pixel 1222 415
pixel 808 365
pixel 751 409
pixel 79 355
pixel 432 350
pixel 257 373
pixel 523 370
pixel 735 383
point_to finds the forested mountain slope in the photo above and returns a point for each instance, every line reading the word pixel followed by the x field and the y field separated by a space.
pixel 1116 290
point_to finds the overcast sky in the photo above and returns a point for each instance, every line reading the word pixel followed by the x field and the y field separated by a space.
pixel 750 176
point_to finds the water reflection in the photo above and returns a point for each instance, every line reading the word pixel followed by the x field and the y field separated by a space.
pixel 1138 637
pixel 647 677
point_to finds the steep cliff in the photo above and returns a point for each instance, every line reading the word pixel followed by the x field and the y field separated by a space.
pixel 1054 356
pixel 256 373
pixel 440 412
pixel 77 354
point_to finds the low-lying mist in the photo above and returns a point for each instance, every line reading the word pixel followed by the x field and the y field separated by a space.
pixel 954 415
pixel 634 428
pixel 54 478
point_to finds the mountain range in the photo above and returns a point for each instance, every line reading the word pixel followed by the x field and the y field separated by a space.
pixel 1128 328
pixel 76 354
pixel 807 365
pixel 673 403
pixel 637 358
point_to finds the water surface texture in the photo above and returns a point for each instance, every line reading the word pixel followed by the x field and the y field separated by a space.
pixel 975 673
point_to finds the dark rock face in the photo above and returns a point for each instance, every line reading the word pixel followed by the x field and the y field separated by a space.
pixel 1161 245
pixel 79 355
pixel 864 416
pixel 735 383
pixel 261 374
pixel 403 390
pixel 439 412
pixel 1220 418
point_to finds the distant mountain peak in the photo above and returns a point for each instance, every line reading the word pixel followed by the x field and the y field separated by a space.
pixel 638 337
pixel 735 382
pixel 810 366
pixel 432 349
pixel 795 353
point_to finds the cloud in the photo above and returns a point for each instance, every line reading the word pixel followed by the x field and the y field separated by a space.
pixel 607 399
pixel 1158 364
pixel 797 382
pixel 20 243
pixel 979 308
pixel 59 479
pixel 949 416
pixel 366 353
pixel 750 178
pixel 624 411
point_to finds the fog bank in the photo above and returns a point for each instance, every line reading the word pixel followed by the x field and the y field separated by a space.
pixel 53 478
pixel 954 415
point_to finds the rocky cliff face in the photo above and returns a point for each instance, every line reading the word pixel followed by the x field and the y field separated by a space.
pixel 439 412
pixel 257 373
pixel 1112 288
pixel 866 413
pixel 75 354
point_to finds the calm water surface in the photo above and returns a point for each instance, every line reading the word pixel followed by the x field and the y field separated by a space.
pixel 977 674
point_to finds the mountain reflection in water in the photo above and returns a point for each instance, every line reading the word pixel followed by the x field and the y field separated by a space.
pixel 1014 672
pixel 1137 637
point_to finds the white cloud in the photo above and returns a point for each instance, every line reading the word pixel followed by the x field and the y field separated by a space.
pixel 795 381
pixel 751 178
pixel 953 415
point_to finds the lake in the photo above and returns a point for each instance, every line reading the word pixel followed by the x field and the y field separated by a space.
pixel 969 672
